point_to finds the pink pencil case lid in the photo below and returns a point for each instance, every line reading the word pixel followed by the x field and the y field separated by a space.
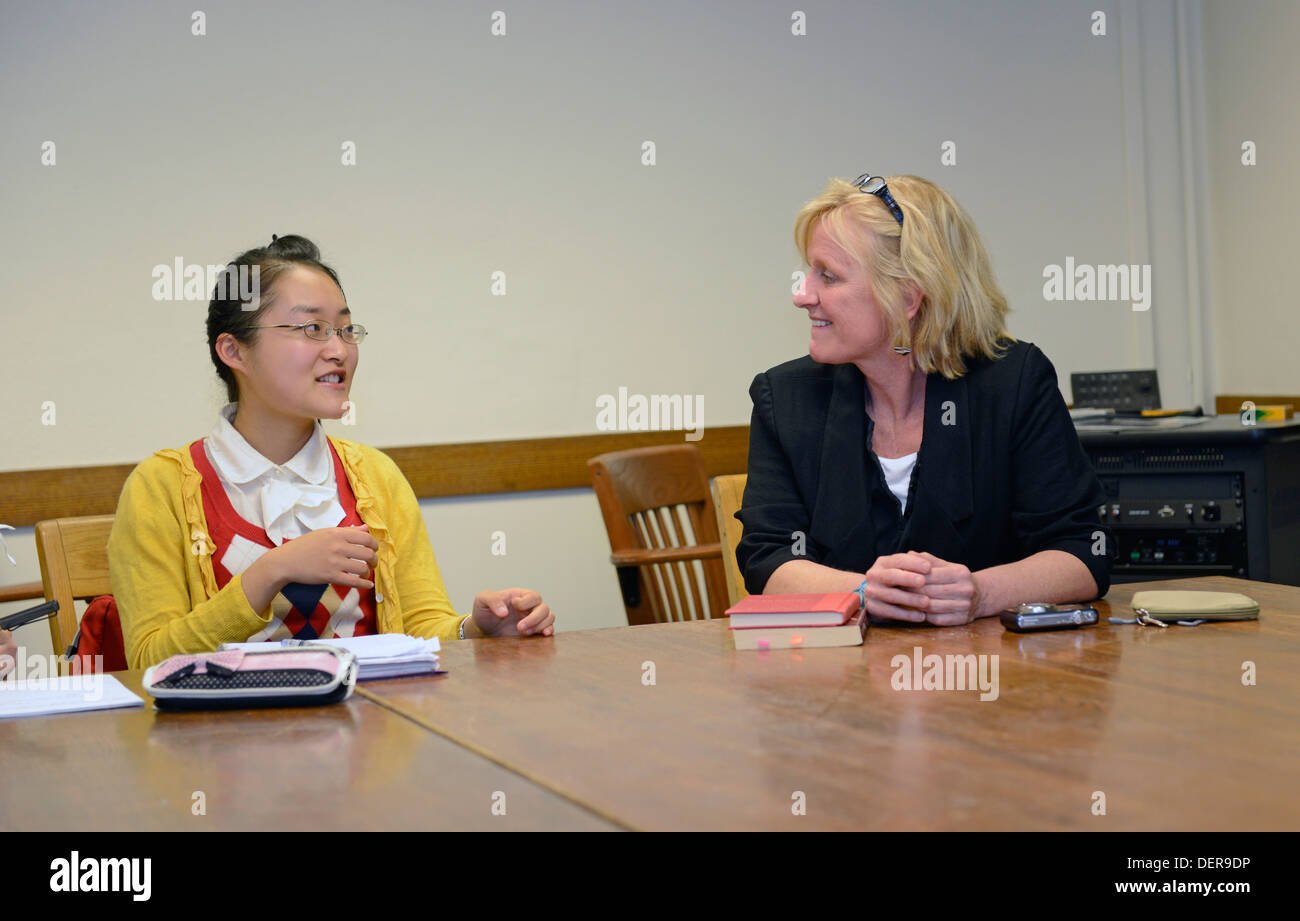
pixel 290 677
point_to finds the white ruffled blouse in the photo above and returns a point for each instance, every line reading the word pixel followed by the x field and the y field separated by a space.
pixel 287 500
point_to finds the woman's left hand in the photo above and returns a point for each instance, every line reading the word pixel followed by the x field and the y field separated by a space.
pixel 511 612
pixel 955 598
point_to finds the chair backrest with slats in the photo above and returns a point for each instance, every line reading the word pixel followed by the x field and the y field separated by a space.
pixel 73 553
pixel 663 532
pixel 727 494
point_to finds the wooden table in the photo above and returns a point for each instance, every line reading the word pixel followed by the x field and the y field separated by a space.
pixel 1156 720
pixel 575 734
pixel 354 766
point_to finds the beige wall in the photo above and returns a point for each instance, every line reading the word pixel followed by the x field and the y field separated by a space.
pixel 1252 75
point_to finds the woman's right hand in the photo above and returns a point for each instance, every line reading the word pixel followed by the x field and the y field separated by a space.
pixel 343 556
pixel 894 586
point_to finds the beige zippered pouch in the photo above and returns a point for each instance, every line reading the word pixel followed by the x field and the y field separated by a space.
pixel 1187 605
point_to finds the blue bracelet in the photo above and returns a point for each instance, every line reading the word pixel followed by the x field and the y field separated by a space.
pixel 862 594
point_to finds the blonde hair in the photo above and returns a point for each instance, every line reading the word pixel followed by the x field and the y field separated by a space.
pixel 963 311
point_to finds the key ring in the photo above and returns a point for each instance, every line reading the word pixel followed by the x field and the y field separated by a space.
pixel 1145 619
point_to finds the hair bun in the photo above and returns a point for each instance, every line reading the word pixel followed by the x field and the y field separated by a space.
pixel 293 247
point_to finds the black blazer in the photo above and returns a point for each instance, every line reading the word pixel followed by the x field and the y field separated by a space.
pixel 1000 474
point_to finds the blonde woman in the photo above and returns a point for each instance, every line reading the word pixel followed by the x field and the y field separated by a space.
pixel 919 454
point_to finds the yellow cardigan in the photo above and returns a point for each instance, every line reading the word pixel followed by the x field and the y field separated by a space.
pixel 160 560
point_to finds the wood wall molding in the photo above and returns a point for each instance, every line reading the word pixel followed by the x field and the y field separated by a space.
pixel 29 496
pixel 1230 403
pixel 435 471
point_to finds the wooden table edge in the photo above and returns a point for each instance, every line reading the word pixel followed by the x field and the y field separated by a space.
pixel 487 755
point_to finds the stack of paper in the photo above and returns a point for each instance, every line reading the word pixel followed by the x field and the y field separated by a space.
pixel 64 694
pixel 384 655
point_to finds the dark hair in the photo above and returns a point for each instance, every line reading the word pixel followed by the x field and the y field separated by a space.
pixel 226 312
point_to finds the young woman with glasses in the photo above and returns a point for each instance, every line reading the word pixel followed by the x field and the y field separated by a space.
pixel 268 529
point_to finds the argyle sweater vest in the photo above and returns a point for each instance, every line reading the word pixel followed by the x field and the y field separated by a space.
pixel 298 611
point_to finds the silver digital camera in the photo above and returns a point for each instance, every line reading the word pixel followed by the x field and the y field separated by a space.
pixel 1037 615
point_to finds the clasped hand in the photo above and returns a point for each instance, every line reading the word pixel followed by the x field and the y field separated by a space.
pixel 921 588
pixel 514 611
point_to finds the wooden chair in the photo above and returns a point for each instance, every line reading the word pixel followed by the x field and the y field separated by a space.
pixel 73 553
pixel 727 492
pixel 663 532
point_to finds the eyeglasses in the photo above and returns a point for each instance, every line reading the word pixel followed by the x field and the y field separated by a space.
pixel 321 332
pixel 875 185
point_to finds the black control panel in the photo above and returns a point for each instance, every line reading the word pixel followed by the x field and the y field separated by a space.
pixel 1118 390
pixel 1215 498
pixel 1198 530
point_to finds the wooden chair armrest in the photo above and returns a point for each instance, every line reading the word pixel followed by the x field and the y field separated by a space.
pixel 22 591
pixel 666 555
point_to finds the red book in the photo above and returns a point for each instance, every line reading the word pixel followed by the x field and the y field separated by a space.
pixel 851 634
pixel 815 610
